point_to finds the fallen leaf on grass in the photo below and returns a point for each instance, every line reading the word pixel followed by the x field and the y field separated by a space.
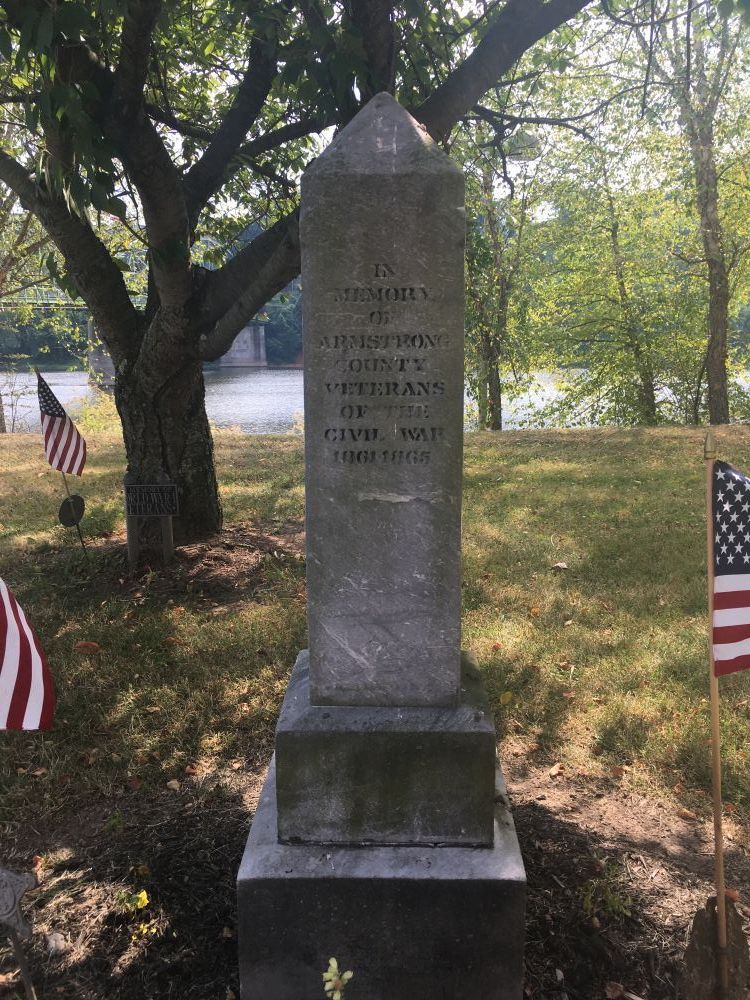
pixel 87 646
pixel 134 783
pixel 40 772
pixel 191 770
pixel 679 788
pixel 617 771
pixel 56 943
pixel 732 894
pixel 173 785
pixel 569 694
pixel 729 808
pixel 556 770
pixel 687 814
pixel 506 697
pixel 153 708
pixel 496 646
pixel 560 565
pixel 535 612
pixel 568 622
pixel 614 991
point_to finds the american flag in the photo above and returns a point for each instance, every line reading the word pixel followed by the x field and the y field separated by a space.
pixel 27 696
pixel 63 445
pixel 731 555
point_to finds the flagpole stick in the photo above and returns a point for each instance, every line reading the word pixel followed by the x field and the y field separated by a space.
pixel 23 966
pixel 78 527
pixel 709 453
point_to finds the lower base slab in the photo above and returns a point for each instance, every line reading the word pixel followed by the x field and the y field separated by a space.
pixel 412 923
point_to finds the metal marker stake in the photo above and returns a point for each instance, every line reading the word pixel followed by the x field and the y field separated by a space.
pixel 78 526
pixel 23 965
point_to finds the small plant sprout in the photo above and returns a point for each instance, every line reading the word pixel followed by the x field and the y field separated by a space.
pixel 335 981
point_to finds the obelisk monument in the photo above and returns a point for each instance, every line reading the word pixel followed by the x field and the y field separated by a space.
pixel 382 836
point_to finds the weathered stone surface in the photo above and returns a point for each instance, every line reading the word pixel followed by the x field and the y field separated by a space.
pixel 701 978
pixel 382 232
pixel 383 775
pixel 413 923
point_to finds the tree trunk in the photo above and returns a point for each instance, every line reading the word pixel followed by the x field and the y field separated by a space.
pixel 645 384
pixel 166 433
pixel 3 429
pixel 482 399
pixel 490 360
pixel 707 197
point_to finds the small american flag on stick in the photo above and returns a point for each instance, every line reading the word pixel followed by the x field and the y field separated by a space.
pixel 731 569
pixel 64 447
pixel 27 696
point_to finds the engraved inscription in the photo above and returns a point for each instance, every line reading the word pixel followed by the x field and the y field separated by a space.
pixel 407 357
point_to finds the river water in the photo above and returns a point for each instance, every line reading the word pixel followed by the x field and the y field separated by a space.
pixel 258 401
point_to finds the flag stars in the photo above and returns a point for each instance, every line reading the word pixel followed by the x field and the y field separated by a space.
pixel 730 559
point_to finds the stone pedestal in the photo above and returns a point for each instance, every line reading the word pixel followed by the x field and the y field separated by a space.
pixel 412 923
pixel 383 775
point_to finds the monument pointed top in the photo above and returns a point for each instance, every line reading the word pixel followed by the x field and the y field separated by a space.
pixel 382 138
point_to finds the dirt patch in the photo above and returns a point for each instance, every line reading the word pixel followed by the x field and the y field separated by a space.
pixel 614 881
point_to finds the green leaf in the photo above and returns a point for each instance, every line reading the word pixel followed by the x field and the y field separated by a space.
pixel 117 207
pixel 6 46
pixel 72 20
pixel 45 29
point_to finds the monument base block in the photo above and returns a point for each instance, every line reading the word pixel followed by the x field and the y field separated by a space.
pixel 412 923
pixel 354 775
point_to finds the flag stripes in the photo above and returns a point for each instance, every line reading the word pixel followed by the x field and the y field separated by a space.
pixel 731 552
pixel 64 447
pixel 27 698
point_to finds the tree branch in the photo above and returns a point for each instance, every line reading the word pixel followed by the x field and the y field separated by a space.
pixel 235 293
pixel 374 21
pixel 96 276
pixel 515 29
pixel 205 177
pixel 135 45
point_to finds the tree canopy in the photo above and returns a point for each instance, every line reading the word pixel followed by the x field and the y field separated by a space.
pixel 177 120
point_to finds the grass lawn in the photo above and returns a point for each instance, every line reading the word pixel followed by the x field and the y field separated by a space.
pixel 599 667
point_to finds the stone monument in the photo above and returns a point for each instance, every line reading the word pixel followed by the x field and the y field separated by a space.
pixel 383 836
